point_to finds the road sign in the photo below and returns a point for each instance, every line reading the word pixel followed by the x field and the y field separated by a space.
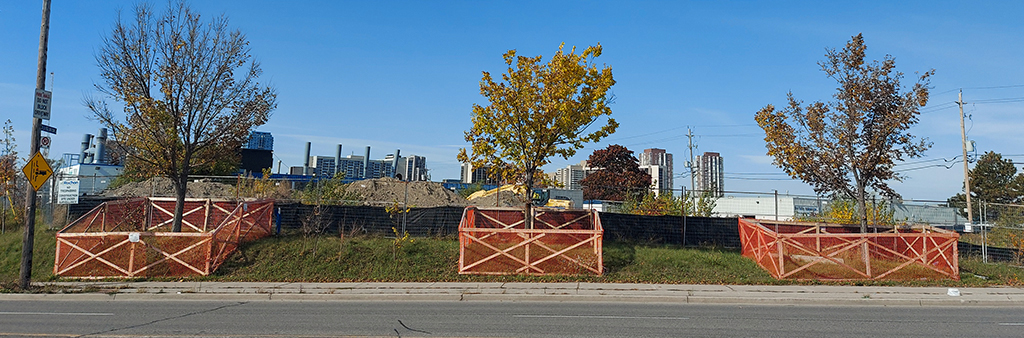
pixel 42 106
pixel 44 141
pixel 67 191
pixel 37 171
pixel 48 129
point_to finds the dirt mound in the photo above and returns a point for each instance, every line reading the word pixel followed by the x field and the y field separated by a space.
pixel 421 194
pixel 161 187
pixel 505 199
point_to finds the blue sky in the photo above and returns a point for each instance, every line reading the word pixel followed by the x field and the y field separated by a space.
pixel 405 74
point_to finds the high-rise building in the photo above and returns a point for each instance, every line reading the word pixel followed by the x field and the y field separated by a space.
pixel 569 177
pixel 322 166
pixel 471 175
pixel 413 168
pixel 352 167
pixel 710 174
pixel 260 140
pixel 658 164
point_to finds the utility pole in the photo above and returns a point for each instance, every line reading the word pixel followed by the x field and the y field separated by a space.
pixel 967 176
pixel 27 242
pixel 690 164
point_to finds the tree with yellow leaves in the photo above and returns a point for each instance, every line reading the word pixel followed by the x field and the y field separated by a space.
pixel 189 90
pixel 539 110
pixel 848 145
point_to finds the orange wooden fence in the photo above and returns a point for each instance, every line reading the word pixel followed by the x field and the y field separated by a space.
pixel 813 251
pixel 495 241
pixel 131 238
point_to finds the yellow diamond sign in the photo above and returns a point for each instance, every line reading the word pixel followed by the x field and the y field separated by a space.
pixel 37 171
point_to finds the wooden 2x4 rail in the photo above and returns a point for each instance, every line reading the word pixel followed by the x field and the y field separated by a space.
pixel 812 251
pixel 495 241
pixel 123 238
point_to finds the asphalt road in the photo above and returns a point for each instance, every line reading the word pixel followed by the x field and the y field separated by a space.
pixel 157 318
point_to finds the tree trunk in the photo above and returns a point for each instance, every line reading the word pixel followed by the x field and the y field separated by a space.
pixel 862 210
pixel 180 185
pixel 528 208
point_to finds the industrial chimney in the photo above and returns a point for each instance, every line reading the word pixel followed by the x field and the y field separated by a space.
pixel 337 162
pixel 101 147
pixel 366 163
pixel 84 154
pixel 305 163
pixel 394 162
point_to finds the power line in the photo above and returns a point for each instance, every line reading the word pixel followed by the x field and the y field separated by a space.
pixel 981 88
pixel 731 135
pixel 996 87
pixel 999 100
pixel 928 167
pixel 618 139
pixel 758 179
pixel 941 106
pixel 930 160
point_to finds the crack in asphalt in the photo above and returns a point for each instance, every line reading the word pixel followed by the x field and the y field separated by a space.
pixel 412 329
pixel 163 319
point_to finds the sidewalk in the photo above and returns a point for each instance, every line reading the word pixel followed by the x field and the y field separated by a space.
pixel 575 292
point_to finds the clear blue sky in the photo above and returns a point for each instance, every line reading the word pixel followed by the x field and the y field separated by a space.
pixel 405 74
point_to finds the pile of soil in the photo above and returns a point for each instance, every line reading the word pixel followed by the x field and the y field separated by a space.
pixel 384 191
pixel 161 187
pixel 505 199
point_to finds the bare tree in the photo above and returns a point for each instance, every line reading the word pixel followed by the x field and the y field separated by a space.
pixel 189 90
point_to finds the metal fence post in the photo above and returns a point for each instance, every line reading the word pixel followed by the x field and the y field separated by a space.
pixel 277 221
pixel 682 214
pixel 984 235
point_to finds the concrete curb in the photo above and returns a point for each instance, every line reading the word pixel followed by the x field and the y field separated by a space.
pixel 532 292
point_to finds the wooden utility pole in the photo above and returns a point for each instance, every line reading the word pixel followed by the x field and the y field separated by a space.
pixel 967 176
pixel 690 164
pixel 25 277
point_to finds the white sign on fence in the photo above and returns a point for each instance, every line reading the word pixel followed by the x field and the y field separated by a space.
pixel 67 191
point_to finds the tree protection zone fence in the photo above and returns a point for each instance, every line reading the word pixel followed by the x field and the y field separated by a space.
pixel 818 251
pixel 132 238
pixel 496 241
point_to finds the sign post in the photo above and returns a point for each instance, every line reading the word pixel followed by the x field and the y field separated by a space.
pixel 42 96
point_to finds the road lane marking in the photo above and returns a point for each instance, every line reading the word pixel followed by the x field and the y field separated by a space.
pixel 1011 324
pixel 55 314
pixel 597 317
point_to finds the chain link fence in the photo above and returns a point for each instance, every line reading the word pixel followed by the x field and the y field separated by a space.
pixel 997 233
